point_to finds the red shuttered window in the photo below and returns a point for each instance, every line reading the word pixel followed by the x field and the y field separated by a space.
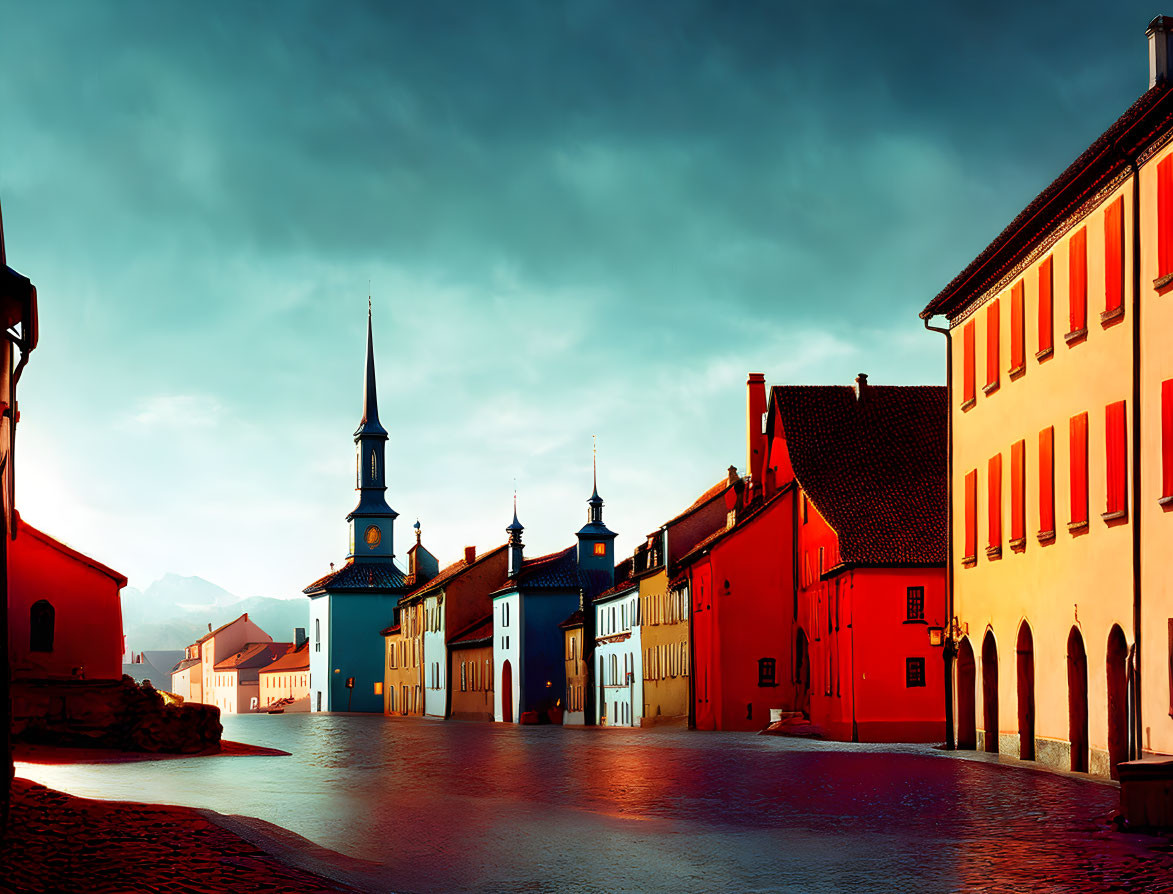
pixel 1046 310
pixel 1018 495
pixel 994 480
pixel 1078 429
pixel 1017 331
pixel 992 334
pixel 1047 484
pixel 1167 439
pixel 970 517
pixel 1113 261
pixel 1077 284
pixel 968 389
pixel 1165 217
pixel 1116 460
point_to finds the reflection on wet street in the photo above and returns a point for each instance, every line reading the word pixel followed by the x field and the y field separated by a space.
pixel 448 806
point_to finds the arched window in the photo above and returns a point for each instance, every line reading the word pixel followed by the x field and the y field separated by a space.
pixel 317 635
pixel 41 624
pixel 374 470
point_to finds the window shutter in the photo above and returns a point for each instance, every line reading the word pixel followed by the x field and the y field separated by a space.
pixel 1079 470
pixel 1046 307
pixel 1116 447
pixel 1018 493
pixel 1077 281
pixel 1165 216
pixel 970 516
pixel 992 336
pixel 969 393
pixel 1017 333
pixel 1047 483
pixel 1114 257
pixel 994 481
pixel 1167 434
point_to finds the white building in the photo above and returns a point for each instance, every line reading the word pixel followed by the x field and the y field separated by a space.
pixel 618 656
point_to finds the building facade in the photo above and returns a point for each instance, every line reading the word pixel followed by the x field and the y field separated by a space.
pixel 286 682
pixel 349 608
pixel 237 686
pixel 1061 479
pixel 618 653
pixel 194 678
pixel 470 667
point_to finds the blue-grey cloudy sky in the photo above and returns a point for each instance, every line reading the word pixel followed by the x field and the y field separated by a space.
pixel 575 219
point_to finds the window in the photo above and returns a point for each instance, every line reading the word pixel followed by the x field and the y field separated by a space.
pixel 374 472
pixel 505 614
pixel 317 635
pixel 994 492
pixel 1165 217
pixel 42 621
pixel 916 603
pixel 1116 465
pixel 1078 431
pixel 1047 484
pixel 1113 261
pixel 993 333
pixel 1046 309
pixel 766 668
pixel 970 555
pixel 1018 495
pixel 805 513
pixel 1017 329
pixel 914 672
pixel 1077 285
pixel 968 389
pixel 600 549
pixel 379 688
pixel 1167 432
pixel 463 677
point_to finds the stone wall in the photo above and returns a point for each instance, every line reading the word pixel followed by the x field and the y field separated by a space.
pixel 110 714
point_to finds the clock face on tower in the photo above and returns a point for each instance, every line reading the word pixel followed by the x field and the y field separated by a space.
pixel 372 536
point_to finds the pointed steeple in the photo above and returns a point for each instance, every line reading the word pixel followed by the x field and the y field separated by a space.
pixel 595 513
pixel 516 547
pixel 370 399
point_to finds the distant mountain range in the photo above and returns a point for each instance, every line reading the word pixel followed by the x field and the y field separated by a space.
pixel 175 611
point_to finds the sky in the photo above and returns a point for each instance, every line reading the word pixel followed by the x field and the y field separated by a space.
pixel 572 219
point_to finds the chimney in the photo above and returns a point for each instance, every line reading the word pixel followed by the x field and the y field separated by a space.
pixel 733 476
pixel 470 555
pixel 861 387
pixel 209 627
pixel 298 637
pixel 1159 33
pixel 755 437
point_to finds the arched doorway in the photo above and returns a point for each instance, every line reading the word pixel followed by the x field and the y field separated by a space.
pixel 42 621
pixel 1077 700
pixel 507 692
pixel 1117 698
pixel 966 698
pixel 802 673
pixel 990 691
pixel 1026 693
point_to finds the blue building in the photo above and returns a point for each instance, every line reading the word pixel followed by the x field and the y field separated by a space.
pixel 528 646
pixel 349 607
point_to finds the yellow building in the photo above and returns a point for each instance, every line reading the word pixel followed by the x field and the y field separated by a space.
pixel 1057 334
pixel 403 674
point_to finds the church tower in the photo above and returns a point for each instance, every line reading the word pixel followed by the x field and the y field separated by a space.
pixel 372 520
pixel 596 542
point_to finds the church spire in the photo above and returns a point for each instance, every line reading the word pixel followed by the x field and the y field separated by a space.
pixel 595 513
pixel 370 400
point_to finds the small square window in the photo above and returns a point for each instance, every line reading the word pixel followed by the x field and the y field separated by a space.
pixel 600 549
pixel 916 603
pixel 766 667
pixel 914 672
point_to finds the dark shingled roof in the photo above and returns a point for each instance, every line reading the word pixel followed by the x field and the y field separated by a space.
pixel 711 494
pixel 575 620
pixel 557 571
pixel 874 468
pixel 253 655
pixel 454 570
pixel 1148 116
pixel 353 577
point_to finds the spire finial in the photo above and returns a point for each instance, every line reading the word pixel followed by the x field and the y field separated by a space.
pixel 370 403
pixel 595 463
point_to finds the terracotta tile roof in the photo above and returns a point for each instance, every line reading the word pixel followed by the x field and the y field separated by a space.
pixel 679 581
pixel 454 570
pixel 711 494
pixel 207 636
pixel 390 631
pixel 1151 114
pixel 354 577
pixel 253 655
pixel 476 634
pixel 623 581
pixel 296 659
pixel 575 620
pixel 875 469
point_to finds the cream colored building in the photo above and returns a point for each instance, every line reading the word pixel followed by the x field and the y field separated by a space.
pixel 1059 331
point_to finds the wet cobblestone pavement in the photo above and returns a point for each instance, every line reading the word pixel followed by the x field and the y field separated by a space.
pixel 484 807
pixel 59 843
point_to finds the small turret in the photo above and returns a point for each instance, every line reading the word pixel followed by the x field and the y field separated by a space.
pixel 516 547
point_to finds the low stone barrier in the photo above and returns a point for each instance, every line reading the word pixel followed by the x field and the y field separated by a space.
pixel 110 714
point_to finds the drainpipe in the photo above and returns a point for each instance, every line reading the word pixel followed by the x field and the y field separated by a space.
pixel 950 650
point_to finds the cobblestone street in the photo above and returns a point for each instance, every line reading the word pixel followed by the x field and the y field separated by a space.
pixel 461 806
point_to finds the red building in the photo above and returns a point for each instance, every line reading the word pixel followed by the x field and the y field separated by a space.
pixel 866 468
